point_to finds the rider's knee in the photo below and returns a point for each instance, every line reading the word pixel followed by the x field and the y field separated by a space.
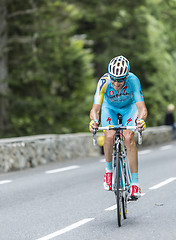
pixel 109 137
pixel 129 139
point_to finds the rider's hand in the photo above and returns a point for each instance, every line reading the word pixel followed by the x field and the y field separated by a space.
pixel 141 124
pixel 93 125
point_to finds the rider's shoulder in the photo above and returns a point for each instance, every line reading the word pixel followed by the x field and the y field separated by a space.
pixel 132 75
pixel 132 78
pixel 105 79
pixel 104 82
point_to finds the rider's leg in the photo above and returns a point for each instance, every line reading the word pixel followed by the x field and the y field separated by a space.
pixel 132 152
pixel 108 148
pixel 132 155
pixel 108 117
pixel 129 119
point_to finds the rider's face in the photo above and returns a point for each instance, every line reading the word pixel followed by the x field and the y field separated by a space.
pixel 117 85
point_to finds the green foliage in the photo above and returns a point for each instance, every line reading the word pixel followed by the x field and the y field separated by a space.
pixel 144 32
pixel 52 79
pixel 55 48
pixel 162 90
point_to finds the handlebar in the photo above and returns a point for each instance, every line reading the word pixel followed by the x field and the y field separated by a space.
pixel 119 127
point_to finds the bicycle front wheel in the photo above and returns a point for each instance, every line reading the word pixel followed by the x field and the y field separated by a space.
pixel 125 194
pixel 124 206
pixel 118 191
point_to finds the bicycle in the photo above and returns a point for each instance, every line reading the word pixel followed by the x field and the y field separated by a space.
pixel 122 179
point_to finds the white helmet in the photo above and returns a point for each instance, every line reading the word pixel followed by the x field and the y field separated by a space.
pixel 119 67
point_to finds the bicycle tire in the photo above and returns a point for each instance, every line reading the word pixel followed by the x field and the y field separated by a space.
pixel 124 206
pixel 125 196
pixel 118 191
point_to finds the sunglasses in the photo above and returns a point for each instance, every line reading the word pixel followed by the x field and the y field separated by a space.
pixel 114 79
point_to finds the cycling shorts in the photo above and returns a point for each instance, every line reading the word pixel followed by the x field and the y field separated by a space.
pixel 109 115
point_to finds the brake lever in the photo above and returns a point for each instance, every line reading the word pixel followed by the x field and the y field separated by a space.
pixel 94 138
pixel 139 137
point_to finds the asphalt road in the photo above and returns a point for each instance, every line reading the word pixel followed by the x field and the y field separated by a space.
pixel 66 200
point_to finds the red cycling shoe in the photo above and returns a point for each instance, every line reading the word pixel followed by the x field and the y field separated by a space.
pixel 108 181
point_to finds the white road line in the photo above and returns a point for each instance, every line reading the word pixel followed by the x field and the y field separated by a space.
pixel 5 181
pixel 111 208
pixel 102 160
pixel 166 147
pixel 115 206
pixel 62 169
pixel 67 229
pixel 145 152
pixel 163 183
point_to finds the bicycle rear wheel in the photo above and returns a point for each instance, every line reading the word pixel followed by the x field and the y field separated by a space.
pixel 118 191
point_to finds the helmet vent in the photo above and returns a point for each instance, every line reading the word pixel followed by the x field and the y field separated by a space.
pixel 121 70
pixel 119 67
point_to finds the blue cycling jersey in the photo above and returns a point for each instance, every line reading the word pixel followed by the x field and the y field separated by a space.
pixel 130 93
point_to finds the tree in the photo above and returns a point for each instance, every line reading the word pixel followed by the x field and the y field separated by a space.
pixel 51 67
pixel 162 90
pixel 56 48
pixel 143 31
pixel 3 68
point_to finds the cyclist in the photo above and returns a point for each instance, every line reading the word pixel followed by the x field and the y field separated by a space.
pixel 119 92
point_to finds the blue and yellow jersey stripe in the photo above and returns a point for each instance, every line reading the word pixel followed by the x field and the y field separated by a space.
pixel 101 89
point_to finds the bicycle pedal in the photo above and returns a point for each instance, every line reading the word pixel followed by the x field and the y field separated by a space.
pixel 132 198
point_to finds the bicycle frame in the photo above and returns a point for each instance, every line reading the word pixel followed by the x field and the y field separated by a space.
pixel 125 172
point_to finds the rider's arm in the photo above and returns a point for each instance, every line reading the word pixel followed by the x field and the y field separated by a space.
pixel 98 100
pixel 142 115
pixel 142 110
pixel 94 113
pixel 139 99
pixel 101 89
pixel 94 116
